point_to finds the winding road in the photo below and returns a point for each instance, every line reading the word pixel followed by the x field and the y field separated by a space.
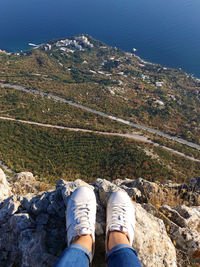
pixel 111 117
pixel 134 136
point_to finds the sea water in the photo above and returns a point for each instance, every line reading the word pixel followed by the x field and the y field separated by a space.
pixel 165 32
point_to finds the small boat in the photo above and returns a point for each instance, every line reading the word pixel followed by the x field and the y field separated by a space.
pixel 134 49
pixel 33 45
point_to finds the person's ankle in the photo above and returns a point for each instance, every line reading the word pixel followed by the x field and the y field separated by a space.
pixel 85 241
pixel 120 220
pixel 116 238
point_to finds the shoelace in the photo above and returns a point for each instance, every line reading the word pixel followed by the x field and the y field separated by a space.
pixel 119 215
pixel 81 217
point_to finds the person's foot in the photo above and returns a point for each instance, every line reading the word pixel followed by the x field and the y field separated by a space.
pixel 120 222
pixel 81 216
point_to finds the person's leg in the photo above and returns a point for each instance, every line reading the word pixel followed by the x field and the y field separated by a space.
pixel 74 256
pixel 120 227
pixel 120 253
pixel 80 224
pixel 115 238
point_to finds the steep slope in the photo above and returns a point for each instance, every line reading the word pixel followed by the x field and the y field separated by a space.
pixel 88 72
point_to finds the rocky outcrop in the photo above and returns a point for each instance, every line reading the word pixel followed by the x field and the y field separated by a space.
pixel 173 194
pixel 32 224
pixel 4 186
pixel 183 228
pixel 152 242
pixel 25 182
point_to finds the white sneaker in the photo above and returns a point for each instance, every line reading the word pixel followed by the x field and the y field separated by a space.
pixel 120 215
pixel 81 214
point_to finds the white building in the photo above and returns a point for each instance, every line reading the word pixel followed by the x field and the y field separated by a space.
pixel 159 102
pixel 47 47
pixel 159 84
pixel 65 42
pixel 84 40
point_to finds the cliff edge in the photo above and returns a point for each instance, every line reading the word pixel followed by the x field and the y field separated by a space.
pixel 32 223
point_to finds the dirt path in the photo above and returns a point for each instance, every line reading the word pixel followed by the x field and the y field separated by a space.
pixel 134 136
pixel 111 117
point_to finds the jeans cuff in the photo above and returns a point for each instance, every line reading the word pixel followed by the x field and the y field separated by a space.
pixel 118 247
pixel 84 249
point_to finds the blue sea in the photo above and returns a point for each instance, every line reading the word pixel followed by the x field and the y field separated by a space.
pixel 165 32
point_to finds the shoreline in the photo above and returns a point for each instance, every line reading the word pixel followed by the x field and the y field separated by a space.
pixel 32 46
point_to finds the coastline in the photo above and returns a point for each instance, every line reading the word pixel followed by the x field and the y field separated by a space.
pixel 31 46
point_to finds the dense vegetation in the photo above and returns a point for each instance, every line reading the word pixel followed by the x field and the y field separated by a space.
pixel 21 105
pixel 36 108
pixel 120 84
pixel 176 146
pixel 108 80
pixel 53 154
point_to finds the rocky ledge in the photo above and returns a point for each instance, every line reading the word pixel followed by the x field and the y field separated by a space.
pixel 32 223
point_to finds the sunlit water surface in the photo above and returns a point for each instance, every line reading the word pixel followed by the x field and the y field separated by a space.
pixel 165 32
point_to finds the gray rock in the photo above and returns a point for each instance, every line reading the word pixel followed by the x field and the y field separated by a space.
pixel 183 227
pixel 40 204
pixel 134 193
pixel 150 208
pixel 191 216
pixel 32 248
pixel 146 186
pixel 119 182
pixel 105 188
pixel 42 218
pixel 20 221
pixel 67 188
pixel 195 184
pixel 5 190
pixel 27 201
pixel 24 177
pixel 8 208
pixel 173 215
pixel 56 204
pixel 24 183
pixel 187 240
pixel 32 227
pixel 151 241
pixel 147 189
pixel 99 229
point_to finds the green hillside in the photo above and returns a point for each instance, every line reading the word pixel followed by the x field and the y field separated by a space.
pixel 53 154
pixel 112 81
pixel 88 72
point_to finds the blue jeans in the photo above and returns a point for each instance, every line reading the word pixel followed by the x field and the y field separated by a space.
pixel 118 256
